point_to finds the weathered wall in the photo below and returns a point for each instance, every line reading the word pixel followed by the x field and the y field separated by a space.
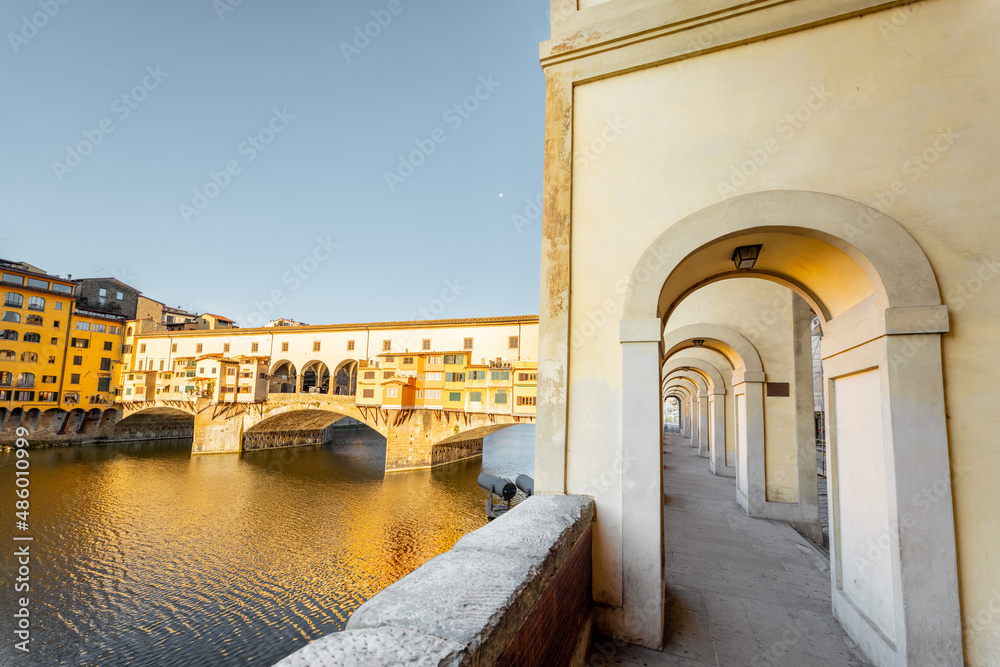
pixel 894 109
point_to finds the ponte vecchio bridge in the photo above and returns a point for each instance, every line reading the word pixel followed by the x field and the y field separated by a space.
pixel 433 389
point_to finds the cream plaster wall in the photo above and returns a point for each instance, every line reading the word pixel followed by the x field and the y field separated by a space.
pixel 895 109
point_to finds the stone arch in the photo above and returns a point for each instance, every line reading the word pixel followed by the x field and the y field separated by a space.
pixel 897 269
pixel 700 413
pixel 315 375
pixel 685 401
pixel 719 400
pixel 880 308
pixel 51 421
pixel 73 422
pixel 282 378
pixel 292 425
pixel 345 378
pixel 152 424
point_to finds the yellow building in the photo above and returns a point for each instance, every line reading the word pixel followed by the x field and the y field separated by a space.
pixel 92 359
pixel 34 337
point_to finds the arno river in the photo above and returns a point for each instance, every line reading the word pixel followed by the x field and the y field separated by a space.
pixel 143 555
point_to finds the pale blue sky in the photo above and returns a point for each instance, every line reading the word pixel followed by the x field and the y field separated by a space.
pixel 207 83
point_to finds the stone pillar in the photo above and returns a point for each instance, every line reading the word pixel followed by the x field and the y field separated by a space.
pixel 751 485
pixel 703 424
pixel 642 483
pixel 717 446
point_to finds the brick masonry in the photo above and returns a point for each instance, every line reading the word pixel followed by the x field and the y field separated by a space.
pixel 552 631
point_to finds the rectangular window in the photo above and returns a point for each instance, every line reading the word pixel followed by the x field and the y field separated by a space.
pixel 119 296
pixel 108 346
pixel 526 377
pixel 427 343
pixel 390 360
pixel 454 358
pixel 55 325
pixel 512 342
pixel 142 348
pixel 48 396
pixel 350 345
pixel 454 377
pixel 83 326
pixel 475 397
pixel 254 347
pixel 501 398
pixel 173 347
pixel 369 375
pixel 386 375
pixel 316 345
pixel 435 376
pixel 525 400
pixel 408 360
pixel 392 392
pixel 102 292
pixel 105 364
pixel 48 379
pixel 52 360
pixel 115 331
pixel 104 384
pixel 198 348
pixel 24 396
pixel 74 378
pixel 40 284
pixel 284 347
pixel 161 364
pixel 128 391
pixel 65 289
pixel 82 343
pixel 420 393
pixel 100 328
pixel 231 371
pixel 476 375
pixel 58 305
pixel 434 394
pixel 467 345
pixel 11 278
pixel 499 376
pixel 386 345
pixel 78 360
pixel 53 341
pixel 215 371
pixel 455 396
pixel 225 347
pixel 434 360
pixel 368 393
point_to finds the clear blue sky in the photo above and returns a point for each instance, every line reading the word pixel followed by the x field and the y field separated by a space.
pixel 199 81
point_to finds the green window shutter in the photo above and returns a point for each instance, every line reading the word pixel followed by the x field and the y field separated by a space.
pixel 455 396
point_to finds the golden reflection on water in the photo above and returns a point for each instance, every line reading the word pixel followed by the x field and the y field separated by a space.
pixel 145 555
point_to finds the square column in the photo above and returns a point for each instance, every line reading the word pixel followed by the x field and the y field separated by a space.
pixel 642 484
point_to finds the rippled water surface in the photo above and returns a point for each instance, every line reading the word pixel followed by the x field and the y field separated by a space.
pixel 144 555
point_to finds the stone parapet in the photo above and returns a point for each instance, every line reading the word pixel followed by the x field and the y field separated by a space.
pixel 516 591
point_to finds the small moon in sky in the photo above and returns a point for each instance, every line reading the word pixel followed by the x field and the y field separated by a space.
pixel 501 194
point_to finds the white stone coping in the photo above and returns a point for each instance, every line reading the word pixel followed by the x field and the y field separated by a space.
pixel 464 606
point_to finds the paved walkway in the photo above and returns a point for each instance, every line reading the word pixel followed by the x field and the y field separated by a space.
pixel 740 591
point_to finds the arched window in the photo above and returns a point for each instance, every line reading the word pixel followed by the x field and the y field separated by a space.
pixel 30 357
pixel 8 334
pixel 128 331
pixel 8 355
pixel 32 338
pixel 35 320
pixel 26 380
pixel 6 379
pixel 36 303
pixel 11 316
pixel 13 300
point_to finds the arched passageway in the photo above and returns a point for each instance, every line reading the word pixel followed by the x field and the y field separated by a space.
pixel 880 311
pixel 316 378
pixel 283 378
pixel 295 428
pixel 154 424
pixel 346 378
